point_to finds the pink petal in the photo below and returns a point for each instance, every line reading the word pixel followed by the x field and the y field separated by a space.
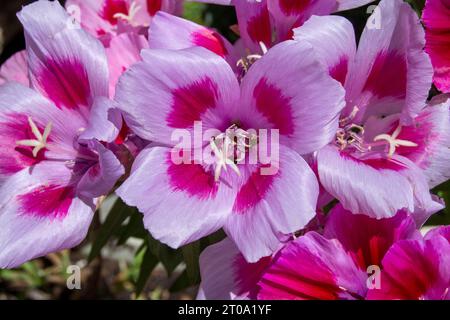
pixel 15 69
pixel 371 239
pixel 436 19
pixel 40 214
pixel 265 210
pixel 277 97
pixel 330 31
pixel 71 68
pixel 180 205
pixel 312 267
pixel 199 87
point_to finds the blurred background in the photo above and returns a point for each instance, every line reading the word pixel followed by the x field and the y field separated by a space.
pixel 119 259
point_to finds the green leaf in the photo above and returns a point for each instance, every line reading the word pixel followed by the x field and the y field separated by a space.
pixel 116 216
pixel 170 258
pixel 194 12
pixel 181 283
pixel 134 228
pixel 148 264
pixel 191 255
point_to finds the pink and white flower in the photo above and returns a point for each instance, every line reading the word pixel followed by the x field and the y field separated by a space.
pixel 181 203
pixel 334 265
pixel 52 167
pixel 391 147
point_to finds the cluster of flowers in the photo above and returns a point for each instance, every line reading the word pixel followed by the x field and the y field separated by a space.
pixel 90 107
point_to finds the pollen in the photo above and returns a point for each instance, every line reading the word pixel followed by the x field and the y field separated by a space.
pixel 229 148
pixel 40 141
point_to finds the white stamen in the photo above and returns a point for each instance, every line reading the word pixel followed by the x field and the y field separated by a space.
pixel 263 47
pixel 41 139
pixel 222 159
pixel 221 144
pixel 393 142
pixel 247 61
pixel 134 9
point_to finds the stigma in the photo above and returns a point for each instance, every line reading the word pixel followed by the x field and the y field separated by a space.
pixel 393 141
pixel 134 9
pixel 40 141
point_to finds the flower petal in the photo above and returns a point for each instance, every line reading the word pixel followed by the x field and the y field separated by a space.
pixel 378 188
pixel 18 104
pixel 392 73
pixel 312 267
pixel 324 33
pixel 288 14
pixel 368 239
pixel 226 275
pixel 436 19
pixel 415 270
pixel 286 93
pixel 123 51
pixel 169 32
pixel 66 64
pixel 40 214
pixel 100 178
pixel 269 207
pixel 15 69
pixel 254 24
pixel 181 203
pixel 184 87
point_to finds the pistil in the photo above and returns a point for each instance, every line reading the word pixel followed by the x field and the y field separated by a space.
pixel 41 138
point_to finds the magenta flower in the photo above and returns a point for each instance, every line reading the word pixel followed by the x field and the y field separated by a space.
pixel 258 19
pixel 171 90
pixel 106 18
pixel 389 143
pixel 52 168
pixel 334 265
pixel 416 270
pixel 436 17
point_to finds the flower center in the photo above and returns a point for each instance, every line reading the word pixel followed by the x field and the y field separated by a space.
pixel 40 141
pixel 246 62
pixel 132 11
pixel 230 148
pixel 351 136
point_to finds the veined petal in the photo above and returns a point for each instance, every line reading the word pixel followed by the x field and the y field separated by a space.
pixel 270 205
pixel 181 203
pixel 184 86
pixel 170 32
pixel 283 92
pixel 67 65
pixel 101 177
pixel 368 239
pixel 415 269
pixel 15 69
pixel 392 73
pixel 255 25
pixel 124 50
pixel 437 24
pixel 226 275
pixel 40 214
pixel 312 267
pixel 376 187
pixel 324 33
pixel 288 14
